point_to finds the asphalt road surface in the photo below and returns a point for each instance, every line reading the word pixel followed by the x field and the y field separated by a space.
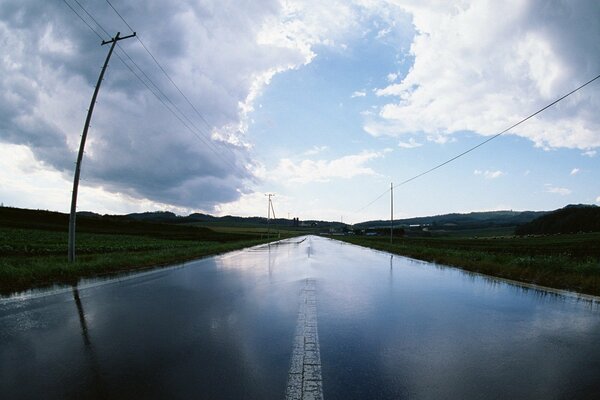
pixel 306 318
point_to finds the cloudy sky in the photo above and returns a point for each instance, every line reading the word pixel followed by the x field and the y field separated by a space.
pixel 322 103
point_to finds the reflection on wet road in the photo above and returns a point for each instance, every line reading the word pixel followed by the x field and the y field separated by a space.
pixel 244 325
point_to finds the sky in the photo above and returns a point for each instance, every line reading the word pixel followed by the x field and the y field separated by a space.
pixel 324 104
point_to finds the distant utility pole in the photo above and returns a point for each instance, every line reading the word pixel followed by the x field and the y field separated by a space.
pixel 269 209
pixel 392 213
pixel 82 144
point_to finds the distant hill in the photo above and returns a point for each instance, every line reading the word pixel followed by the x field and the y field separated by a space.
pixel 142 222
pixel 227 220
pixel 455 221
pixel 95 223
pixel 571 219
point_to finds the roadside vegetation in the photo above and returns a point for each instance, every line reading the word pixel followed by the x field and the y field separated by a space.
pixel 33 246
pixel 570 262
pixel 33 243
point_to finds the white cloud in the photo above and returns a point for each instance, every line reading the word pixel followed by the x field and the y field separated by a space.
pixel 305 171
pixel 477 72
pixel 315 150
pixel 254 204
pixel 300 25
pixel 359 93
pixel 589 153
pixel 489 174
pixel 223 56
pixel 384 32
pixel 411 144
pixel 598 199
pixel 27 182
pixel 575 171
pixel 557 190
pixel 440 139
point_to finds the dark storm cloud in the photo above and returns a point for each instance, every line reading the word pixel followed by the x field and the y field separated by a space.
pixel 50 64
pixel 573 28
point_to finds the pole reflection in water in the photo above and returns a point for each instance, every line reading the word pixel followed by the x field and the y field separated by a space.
pixel 82 321
pixel 96 376
pixel 391 273
pixel 270 261
pixel 218 328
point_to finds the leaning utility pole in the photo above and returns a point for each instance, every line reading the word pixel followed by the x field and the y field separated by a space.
pixel 269 208
pixel 275 218
pixel 82 145
pixel 392 213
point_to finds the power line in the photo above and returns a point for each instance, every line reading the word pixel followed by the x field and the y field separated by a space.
pixel 117 54
pixel 84 21
pixel 172 109
pixel 484 142
pixel 122 19
pixel 209 126
pixel 92 18
pixel 161 67
pixel 208 141
pixel 373 201
pixel 193 128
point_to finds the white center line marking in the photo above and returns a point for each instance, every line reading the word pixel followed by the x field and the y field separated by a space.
pixel 304 377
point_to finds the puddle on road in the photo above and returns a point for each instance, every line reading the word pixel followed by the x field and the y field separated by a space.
pixel 224 327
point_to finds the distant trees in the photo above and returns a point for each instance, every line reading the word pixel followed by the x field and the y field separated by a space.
pixel 571 219
pixel 398 232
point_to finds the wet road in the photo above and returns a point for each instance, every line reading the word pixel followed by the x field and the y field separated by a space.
pixel 309 319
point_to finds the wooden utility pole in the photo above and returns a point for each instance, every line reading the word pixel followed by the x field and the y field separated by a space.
pixel 82 144
pixel 269 208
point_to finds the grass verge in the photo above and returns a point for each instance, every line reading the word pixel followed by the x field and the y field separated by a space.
pixel 569 262
pixel 35 258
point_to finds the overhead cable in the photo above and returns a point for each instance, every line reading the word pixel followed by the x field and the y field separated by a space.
pixel 484 142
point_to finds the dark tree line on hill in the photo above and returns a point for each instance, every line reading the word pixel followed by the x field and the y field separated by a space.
pixel 94 223
pixel 455 221
pixel 571 219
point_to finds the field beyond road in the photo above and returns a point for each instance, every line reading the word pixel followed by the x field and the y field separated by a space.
pixel 33 247
pixel 569 262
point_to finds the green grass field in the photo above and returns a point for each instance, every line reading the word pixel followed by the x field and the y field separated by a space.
pixel 34 258
pixel 33 249
pixel 33 246
pixel 570 262
pixel 261 231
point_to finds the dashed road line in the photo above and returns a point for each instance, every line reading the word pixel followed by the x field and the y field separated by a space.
pixel 304 377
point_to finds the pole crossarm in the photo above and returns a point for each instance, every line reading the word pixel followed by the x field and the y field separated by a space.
pixel 117 38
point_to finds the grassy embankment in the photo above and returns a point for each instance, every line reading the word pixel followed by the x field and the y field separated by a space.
pixel 33 247
pixel 570 262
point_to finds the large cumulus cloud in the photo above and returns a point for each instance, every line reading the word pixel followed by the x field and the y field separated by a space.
pixel 477 65
pixel 481 65
pixel 50 63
